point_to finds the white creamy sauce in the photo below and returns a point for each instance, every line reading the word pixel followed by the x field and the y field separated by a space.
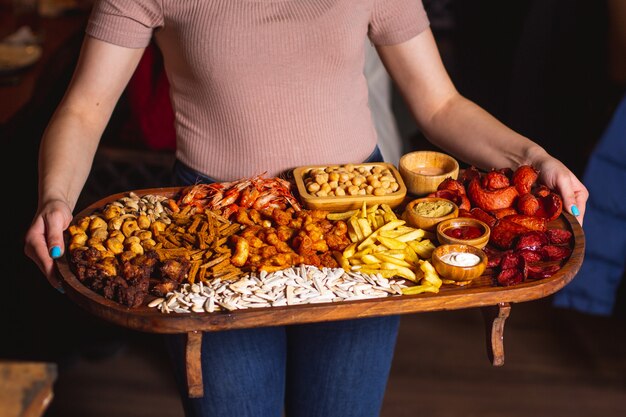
pixel 460 259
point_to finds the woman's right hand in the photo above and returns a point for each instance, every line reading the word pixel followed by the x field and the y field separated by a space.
pixel 44 238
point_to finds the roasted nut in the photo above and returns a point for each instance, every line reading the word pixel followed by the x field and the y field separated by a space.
pixel 111 211
pixel 131 240
pixel 143 221
pixel 79 239
pixel 75 229
pixel 97 222
pixel 116 234
pixel 143 234
pixel 114 245
pixel 148 243
pixel 100 234
pixel 136 248
pixel 129 226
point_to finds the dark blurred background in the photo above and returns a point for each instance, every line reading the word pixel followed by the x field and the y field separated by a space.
pixel 547 68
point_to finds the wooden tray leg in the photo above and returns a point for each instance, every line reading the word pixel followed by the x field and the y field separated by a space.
pixel 495 316
pixel 195 386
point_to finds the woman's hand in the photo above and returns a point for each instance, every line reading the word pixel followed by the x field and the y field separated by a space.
pixel 44 238
pixel 554 174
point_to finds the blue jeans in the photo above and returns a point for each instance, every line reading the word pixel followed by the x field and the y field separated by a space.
pixel 329 369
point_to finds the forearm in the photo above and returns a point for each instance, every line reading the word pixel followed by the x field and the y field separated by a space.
pixel 66 154
pixel 464 129
pixel 72 136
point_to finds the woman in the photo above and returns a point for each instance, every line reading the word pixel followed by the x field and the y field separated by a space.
pixel 266 86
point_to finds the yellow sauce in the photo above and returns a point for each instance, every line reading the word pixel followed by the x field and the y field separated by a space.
pixel 435 208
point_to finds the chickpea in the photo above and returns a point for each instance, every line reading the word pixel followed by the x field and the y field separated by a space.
pixel 349 167
pixel 333 176
pixel 343 177
pixel 379 191
pixel 394 187
pixel 353 190
pixel 376 169
pixel 325 187
pixel 340 191
pixel 385 184
pixel 362 192
pixel 376 184
pixel 358 180
pixel 369 189
pixel 313 187
pixel 333 184
pixel 371 178
pixel 321 193
pixel 321 178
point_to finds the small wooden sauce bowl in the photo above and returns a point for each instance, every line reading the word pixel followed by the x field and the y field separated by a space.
pixel 458 273
pixel 463 225
pixel 414 219
pixel 423 171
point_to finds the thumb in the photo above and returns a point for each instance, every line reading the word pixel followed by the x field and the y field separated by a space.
pixel 55 223
pixel 574 197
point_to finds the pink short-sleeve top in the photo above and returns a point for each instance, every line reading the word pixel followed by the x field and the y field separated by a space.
pixel 263 85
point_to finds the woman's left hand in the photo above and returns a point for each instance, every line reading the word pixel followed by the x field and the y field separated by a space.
pixel 554 174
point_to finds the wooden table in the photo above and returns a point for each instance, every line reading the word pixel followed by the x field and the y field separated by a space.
pixel 26 388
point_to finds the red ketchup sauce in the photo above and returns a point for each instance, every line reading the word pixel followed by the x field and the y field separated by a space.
pixel 464 232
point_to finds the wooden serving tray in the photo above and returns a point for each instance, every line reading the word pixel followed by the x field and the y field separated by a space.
pixel 348 202
pixel 495 301
pixel 480 292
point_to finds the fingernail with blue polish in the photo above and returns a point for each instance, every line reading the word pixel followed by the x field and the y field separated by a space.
pixel 575 211
pixel 61 290
pixel 55 252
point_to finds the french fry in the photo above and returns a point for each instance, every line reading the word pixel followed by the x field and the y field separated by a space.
pixel 418 289
pixel 410 255
pixel 341 260
pixel 390 259
pixel 372 237
pixel 365 227
pixel 424 248
pixel 401 271
pixel 354 224
pixel 341 216
pixel 414 234
pixel 370 259
pixel 388 215
pixel 367 267
pixel 399 231
pixel 349 251
pixel 385 273
pixel 352 235
pixel 391 243
pixel 363 252
pixel 430 274
pixel 373 209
